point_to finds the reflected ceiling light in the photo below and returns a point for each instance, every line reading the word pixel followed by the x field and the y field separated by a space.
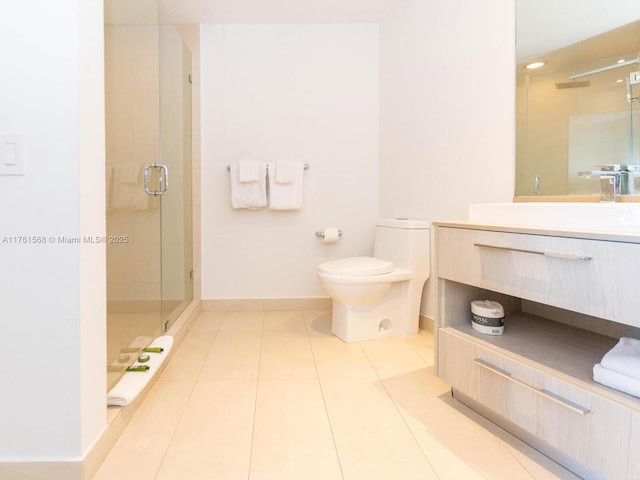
pixel 620 61
pixel 535 65
pixel 619 80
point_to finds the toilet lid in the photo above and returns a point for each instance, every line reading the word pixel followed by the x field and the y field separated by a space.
pixel 356 266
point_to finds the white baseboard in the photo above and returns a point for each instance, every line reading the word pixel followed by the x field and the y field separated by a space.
pixel 427 323
pixel 51 470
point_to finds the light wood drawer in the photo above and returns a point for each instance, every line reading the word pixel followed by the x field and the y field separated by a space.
pixel 598 440
pixel 585 276
pixel 589 429
pixel 462 366
pixel 634 446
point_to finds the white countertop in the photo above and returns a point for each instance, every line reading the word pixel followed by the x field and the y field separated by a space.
pixel 617 222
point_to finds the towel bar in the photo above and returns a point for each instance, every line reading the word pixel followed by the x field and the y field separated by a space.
pixel 306 167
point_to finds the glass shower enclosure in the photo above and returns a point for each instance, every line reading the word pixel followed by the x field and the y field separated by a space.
pixel 148 178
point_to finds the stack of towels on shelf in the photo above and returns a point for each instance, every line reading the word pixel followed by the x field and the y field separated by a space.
pixel 256 185
pixel 620 367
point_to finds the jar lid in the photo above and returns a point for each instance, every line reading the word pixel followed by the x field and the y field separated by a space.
pixel 487 308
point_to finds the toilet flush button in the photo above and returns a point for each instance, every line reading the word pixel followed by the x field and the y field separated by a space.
pixel 11 154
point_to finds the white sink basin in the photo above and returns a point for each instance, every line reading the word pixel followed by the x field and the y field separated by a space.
pixel 596 217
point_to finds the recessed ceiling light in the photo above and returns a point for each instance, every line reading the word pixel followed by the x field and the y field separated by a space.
pixel 535 65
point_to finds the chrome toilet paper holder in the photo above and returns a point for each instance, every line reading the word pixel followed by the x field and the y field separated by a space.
pixel 320 233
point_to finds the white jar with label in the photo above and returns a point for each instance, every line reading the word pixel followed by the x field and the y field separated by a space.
pixel 487 317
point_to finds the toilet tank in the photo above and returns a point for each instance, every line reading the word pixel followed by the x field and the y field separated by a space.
pixel 405 242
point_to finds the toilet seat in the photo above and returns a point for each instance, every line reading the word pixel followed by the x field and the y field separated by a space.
pixel 356 267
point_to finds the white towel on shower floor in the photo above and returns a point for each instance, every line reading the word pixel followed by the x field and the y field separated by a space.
pixel 132 383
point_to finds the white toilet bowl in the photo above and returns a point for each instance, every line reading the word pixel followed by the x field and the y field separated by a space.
pixel 378 296
pixel 359 280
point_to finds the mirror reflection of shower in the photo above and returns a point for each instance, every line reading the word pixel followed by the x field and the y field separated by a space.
pixel 577 112
pixel 633 78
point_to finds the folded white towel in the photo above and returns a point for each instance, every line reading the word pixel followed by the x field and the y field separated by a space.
pixel 286 171
pixel 132 383
pixel 616 380
pixel 251 195
pixel 286 196
pixel 248 171
pixel 624 357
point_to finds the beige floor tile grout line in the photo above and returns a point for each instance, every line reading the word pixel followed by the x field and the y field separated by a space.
pixel 255 399
pixel 324 402
pixel 395 405
pixel 184 409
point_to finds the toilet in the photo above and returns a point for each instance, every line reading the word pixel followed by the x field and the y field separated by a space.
pixel 380 296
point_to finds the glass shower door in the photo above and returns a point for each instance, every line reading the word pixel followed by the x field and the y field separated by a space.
pixel 148 171
pixel 134 290
pixel 175 154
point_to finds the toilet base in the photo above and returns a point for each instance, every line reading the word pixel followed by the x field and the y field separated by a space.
pixel 390 317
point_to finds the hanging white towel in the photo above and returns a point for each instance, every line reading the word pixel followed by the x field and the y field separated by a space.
pixel 616 380
pixel 624 357
pixel 286 196
pixel 286 171
pixel 248 171
pixel 128 189
pixel 251 195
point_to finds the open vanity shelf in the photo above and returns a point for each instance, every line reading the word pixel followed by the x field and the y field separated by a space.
pixel 567 300
pixel 567 351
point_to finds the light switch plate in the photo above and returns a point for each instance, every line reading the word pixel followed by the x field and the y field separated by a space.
pixel 12 161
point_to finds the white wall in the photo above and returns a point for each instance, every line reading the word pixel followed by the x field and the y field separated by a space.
pixel 52 302
pixel 445 134
pixel 447 116
pixel 301 92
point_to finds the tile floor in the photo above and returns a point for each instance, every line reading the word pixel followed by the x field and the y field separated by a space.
pixel 273 395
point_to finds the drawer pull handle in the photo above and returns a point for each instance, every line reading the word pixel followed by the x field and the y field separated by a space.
pixel 540 391
pixel 582 258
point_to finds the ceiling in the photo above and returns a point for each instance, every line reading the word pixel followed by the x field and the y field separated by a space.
pixel 542 25
pixel 279 11
pixel 547 25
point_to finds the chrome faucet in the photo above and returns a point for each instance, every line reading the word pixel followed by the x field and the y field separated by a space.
pixel 612 181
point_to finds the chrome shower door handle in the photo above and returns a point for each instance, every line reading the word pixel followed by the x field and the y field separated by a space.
pixel 146 179
pixel 163 179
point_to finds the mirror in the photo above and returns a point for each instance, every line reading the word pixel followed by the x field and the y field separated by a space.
pixel 573 114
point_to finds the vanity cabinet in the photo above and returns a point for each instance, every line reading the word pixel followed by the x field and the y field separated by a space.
pixel 568 297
